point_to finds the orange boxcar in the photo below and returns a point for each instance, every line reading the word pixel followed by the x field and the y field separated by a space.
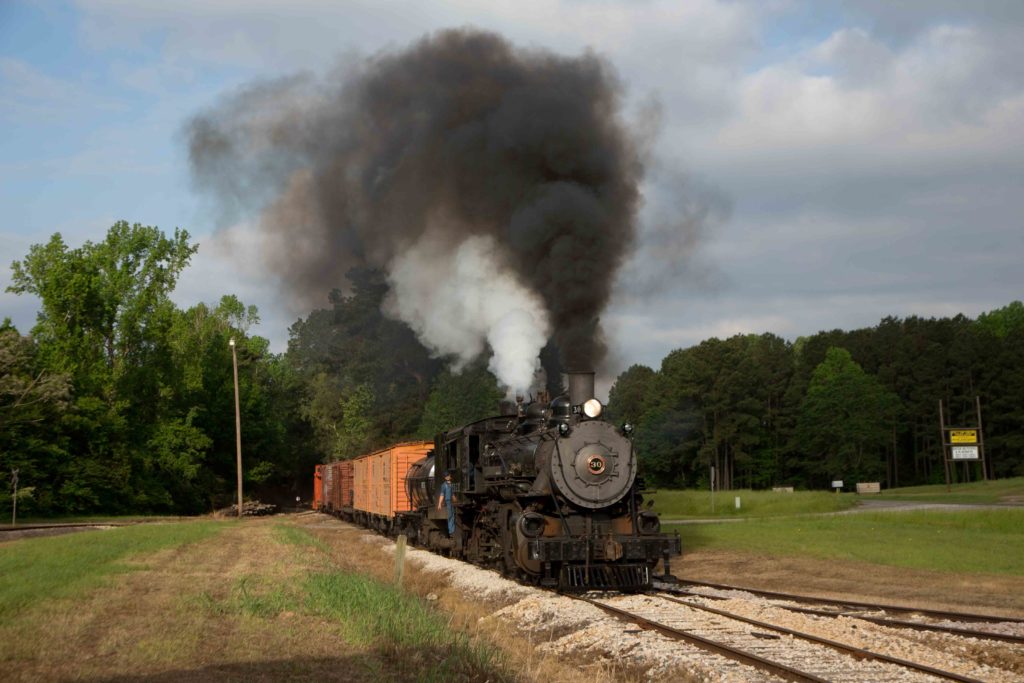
pixel 379 478
pixel 318 487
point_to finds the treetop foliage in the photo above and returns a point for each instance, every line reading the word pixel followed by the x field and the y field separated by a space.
pixel 859 405
pixel 131 397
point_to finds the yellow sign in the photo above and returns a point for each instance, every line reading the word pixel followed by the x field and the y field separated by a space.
pixel 963 436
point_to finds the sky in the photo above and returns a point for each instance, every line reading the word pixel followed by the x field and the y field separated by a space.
pixel 839 161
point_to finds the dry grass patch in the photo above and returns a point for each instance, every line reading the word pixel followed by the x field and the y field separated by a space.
pixel 212 609
pixel 357 550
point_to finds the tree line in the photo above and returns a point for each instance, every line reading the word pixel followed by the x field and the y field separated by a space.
pixel 118 400
pixel 859 405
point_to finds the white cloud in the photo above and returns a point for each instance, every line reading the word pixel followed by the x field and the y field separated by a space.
pixel 954 89
pixel 231 262
pixel 875 171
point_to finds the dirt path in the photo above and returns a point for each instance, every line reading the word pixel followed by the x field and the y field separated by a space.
pixel 995 594
pixel 189 615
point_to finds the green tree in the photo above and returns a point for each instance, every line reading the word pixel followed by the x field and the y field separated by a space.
pixel 195 419
pixel 104 317
pixel 845 420
pixel 104 306
pixel 27 395
pixel 719 404
pixel 1003 321
pixel 1001 385
pixel 321 408
pixel 31 400
pixel 355 430
pixel 628 397
pixel 352 344
pixel 459 398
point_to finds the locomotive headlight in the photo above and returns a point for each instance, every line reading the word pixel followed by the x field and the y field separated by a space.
pixel 592 408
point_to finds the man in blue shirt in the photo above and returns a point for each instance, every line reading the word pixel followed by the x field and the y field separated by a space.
pixel 447 498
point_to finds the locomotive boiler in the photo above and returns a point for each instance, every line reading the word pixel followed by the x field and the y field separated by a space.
pixel 549 495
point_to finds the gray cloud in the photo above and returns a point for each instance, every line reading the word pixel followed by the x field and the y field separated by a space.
pixel 872 168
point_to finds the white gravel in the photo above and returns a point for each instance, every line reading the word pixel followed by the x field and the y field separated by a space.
pixel 565 628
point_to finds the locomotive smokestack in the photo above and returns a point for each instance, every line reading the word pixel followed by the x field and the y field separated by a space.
pixel 581 387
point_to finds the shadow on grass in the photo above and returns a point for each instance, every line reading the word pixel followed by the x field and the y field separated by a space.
pixel 376 665
pixel 693 536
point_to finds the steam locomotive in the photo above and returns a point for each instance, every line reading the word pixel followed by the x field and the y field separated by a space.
pixel 548 495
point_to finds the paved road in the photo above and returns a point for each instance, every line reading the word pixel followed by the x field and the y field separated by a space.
pixel 879 504
pixel 863 505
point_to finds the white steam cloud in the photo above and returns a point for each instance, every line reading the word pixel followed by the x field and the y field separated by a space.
pixel 458 299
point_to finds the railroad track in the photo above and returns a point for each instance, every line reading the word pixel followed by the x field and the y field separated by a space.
pixel 1006 629
pixel 18 531
pixel 68 525
pixel 775 649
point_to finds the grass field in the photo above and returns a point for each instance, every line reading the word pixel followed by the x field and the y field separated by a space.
pixel 36 570
pixel 681 504
pixel 974 541
pixel 206 600
pixel 979 492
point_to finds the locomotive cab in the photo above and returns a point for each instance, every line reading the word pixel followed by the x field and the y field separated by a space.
pixel 461 453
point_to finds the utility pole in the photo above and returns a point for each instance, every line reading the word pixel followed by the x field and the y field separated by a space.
pixel 981 440
pixel 712 489
pixel 238 426
pixel 14 499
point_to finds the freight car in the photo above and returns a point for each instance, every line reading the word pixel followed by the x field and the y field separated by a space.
pixel 549 495
pixel 370 490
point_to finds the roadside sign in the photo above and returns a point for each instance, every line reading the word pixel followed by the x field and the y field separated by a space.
pixel 965 452
pixel 963 436
pixel 965 445
pixel 837 484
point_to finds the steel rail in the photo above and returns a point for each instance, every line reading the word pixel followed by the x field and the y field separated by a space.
pixel 962 616
pixel 903 623
pixel 859 653
pixel 882 621
pixel 783 671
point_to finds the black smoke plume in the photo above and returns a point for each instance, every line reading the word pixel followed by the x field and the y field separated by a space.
pixel 461 135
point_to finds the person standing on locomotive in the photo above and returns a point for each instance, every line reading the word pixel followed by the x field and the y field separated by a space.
pixel 447 498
